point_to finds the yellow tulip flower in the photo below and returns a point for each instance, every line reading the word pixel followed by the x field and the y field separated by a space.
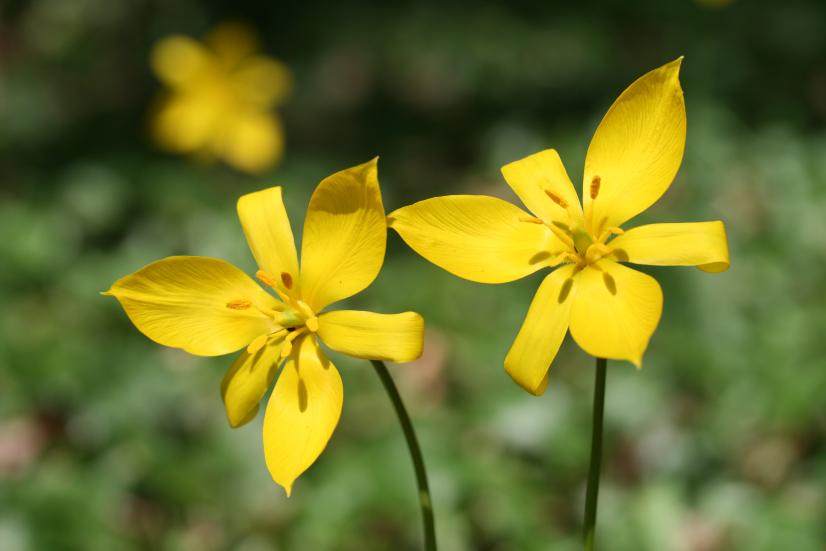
pixel 219 98
pixel 611 310
pixel 209 307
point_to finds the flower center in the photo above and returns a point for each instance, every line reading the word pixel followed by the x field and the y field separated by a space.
pixel 291 319
pixel 581 247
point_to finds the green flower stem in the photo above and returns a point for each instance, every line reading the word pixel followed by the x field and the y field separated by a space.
pixel 592 492
pixel 415 454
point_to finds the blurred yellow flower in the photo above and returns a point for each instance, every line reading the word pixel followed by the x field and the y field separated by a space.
pixel 220 97
pixel 209 307
pixel 610 309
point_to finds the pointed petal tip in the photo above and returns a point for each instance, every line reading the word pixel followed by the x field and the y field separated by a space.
pixel 235 421
pixel 674 66
pixel 371 165
pixel 108 293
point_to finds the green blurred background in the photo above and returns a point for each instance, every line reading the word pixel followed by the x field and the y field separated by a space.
pixel 109 442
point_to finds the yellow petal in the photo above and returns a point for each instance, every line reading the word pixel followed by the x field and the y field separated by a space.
pixel 267 228
pixel 302 412
pixel 701 244
pixel 232 43
pixel 247 381
pixel 250 141
pixel 186 122
pixel 476 237
pixel 615 311
pixel 393 337
pixel 542 332
pixel 345 235
pixel 203 305
pixel 179 60
pixel 637 148
pixel 533 177
pixel 262 81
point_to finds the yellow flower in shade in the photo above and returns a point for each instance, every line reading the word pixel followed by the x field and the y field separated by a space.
pixel 611 310
pixel 209 307
pixel 219 98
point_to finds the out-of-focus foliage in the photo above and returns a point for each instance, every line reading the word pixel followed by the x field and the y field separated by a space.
pixel 108 441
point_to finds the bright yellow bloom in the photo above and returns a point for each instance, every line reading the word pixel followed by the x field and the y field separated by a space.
pixel 209 307
pixel 610 309
pixel 220 98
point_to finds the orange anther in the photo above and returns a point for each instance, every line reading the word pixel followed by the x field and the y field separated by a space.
pixel 595 183
pixel 556 199
pixel 287 280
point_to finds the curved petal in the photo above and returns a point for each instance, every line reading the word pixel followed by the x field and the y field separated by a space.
pixel 179 60
pixel 345 235
pixel 203 305
pixel 250 140
pixel 267 228
pixel 534 176
pixel 302 412
pixel 701 244
pixel 393 337
pixel 476 237
pixel 185 122
pixel 543 331
pixel 637 148
pixel 615 311
pixel 247 380
pixel 262 81
pixel 232 43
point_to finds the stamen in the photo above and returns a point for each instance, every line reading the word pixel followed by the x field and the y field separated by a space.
pixel 558 259
pixel 312 324
pixel 595 252
pixel 573 258
pixel 595 183
pixel 562 235
pixel 269 281
pixel 287 347
pixel 609 232
pixel 239 304
pixel 559 229
pixel 287 280
pixel 556 199
pixel 265 278
pixel 569 258
pixel 257 344
pixel 269 312
pixel 304 309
